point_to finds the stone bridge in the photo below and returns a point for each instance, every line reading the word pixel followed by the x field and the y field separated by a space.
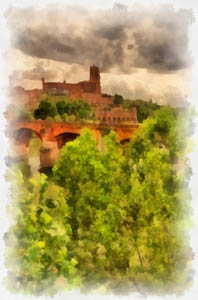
pixel 54 135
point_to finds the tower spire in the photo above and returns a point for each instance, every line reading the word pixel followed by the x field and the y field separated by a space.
pixel 94 73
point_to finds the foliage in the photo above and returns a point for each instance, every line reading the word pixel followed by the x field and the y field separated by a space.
pixel 127 104
pixel 145 109
pixel 44 110
pixel 104 130
pixel 93 180
pixel 62 110
pixel 117 99
pixel 79 108
pixel 110 218
pixel 159 197
pixel 38 242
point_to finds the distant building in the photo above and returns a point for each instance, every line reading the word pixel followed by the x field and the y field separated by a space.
pixel 117 115
pixel 89 90
pixel 91 86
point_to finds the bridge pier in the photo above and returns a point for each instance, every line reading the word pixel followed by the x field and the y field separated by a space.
pixel 49 153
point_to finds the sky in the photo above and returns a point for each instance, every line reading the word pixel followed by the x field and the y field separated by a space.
pixel 146 49
pixel 142 51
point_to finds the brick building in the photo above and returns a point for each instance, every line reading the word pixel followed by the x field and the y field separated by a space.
pixel 117 115
pixel 89 90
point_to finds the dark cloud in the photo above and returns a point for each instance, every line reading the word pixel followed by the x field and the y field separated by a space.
pixel 43 44
pixel 111 33
pixel 155 39
pixel 160 54
pixel 163 47
pixel 130 46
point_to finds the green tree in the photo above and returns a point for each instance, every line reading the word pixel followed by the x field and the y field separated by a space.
pixel 145 109
pixel 155 157
pixel 44 110
pixel 117 99
pixel 109 217
pixel 93 181
pixel 38 241
pixel 83 110
pixel 61 107
pixel 79 108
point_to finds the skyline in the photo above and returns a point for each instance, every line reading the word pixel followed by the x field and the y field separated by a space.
pixel 140 51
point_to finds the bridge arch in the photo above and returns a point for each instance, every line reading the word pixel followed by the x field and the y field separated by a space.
pixel 23 135
pixel 124 141
pixel 57 129
pixel 65 137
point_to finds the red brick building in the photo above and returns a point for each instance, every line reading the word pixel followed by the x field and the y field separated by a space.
pixel 89 90
pixel 117 115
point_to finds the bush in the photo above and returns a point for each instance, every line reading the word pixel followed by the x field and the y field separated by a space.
pixel 118 99
pixel 45 109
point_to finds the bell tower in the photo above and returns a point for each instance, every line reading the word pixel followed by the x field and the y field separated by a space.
pixel 95 77
pixel 43 83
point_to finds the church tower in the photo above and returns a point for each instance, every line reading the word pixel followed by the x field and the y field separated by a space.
pixel 95 78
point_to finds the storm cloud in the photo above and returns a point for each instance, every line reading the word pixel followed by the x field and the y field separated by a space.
pixel 117 40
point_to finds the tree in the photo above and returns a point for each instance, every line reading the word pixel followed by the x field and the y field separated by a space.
pixel 93 181
pixel 118 99
pixel 156 205
pixel 62 107
pixel 109 217
pixel 79 108
pixel 145 109
pixel 44 110
pixel 38 242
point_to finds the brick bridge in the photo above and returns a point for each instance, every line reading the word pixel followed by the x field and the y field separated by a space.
pixel 54 135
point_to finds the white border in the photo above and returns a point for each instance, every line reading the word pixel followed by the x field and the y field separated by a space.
pixel 192 294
